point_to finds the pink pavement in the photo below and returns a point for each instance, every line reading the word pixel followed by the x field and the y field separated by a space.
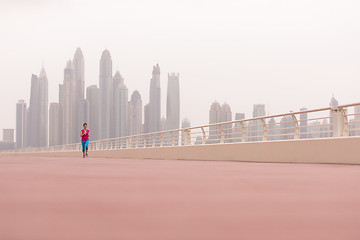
pixel 97 198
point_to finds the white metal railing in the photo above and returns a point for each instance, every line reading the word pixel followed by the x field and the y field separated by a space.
pixel 327 122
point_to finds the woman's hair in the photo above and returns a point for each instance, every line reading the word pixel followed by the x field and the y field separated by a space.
pixel 85 124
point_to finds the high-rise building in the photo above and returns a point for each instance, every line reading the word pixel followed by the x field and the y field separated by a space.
pixel 238 127
pixel 92 97
pixel 79 67
pixel 106 94
pixel 38 112
pixel 44 109
pixel 155 101
pixel 82 115
pixel 20 123
pixel 214 117
pixel 303 123
pixel 146 118
pixel 81 106
pixel 286 128
pixel 173 102
pixel 173 106
pixel 34 113
pixel 8 135
pixel 55 129
pixel 135 114
pixel 120 103
pixel 67 100
pixel 255 127
pixel 184 124
pixel 226 116
pixel 273 130
pixel 333 104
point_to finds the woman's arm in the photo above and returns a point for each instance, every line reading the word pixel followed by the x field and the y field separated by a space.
pixel 81 133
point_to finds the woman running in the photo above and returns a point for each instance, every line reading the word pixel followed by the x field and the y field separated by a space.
pixel 84 134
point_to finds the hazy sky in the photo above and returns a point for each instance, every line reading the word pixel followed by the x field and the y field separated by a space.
pixel 286 54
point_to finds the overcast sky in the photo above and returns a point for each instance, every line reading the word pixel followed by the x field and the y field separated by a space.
pixel 286 54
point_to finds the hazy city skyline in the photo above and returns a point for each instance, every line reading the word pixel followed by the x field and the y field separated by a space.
pixel 241 53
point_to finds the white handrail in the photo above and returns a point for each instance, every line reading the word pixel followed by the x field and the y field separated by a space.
pixel 264 128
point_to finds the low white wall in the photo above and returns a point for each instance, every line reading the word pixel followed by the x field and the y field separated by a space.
pixel 331 150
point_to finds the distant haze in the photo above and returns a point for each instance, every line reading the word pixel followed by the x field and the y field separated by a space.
pixel 285 54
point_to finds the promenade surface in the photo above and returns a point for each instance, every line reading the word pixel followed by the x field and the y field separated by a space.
pixel 97 198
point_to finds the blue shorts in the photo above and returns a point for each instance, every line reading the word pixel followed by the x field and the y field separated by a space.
pixel 85 145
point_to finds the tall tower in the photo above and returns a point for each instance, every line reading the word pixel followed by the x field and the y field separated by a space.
pixel 38 112
pixel 34 113
pixel 120 111
pixel 44 109
pixel 135 114
pixel 67 100
pixel 92 97
pixel 214 117
pixel 303 123
pixel 256 129
pixel 226 116
pixel 20 123
pixel 184 124
pixel 106 94
pixel 155 100
pixel 120 105
pixel 173 102
pixel 81 105
pixel 79 67
pixel 54 124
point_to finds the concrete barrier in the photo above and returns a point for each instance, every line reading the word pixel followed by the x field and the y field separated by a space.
pixel 344 150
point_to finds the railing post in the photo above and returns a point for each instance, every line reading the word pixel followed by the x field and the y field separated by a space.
pixel 265 131
pixel 222 136
pixel 153 140
pixel 340 122
pixel 296 125
pixel 144 138
pixel 345 131
pixel 203 136
pixel 136 142
pixel 161 140
pixel 243 132
pixel 187 137
pixel 173 139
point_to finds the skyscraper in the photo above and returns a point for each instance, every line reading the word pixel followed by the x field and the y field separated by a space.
pixel 214 117
pixel 226 116
pixel 8 135
pixel 155 101
pixel 67 100
pixel 184 124
pixel 79 67
pixel 237 127
pixel 38 112
pixel 173 102
pixel 255 127
pixel 20 123
pixel 82 115
pixel 55 129
pixel 44 109
pixel 303 123
pixel 92 97
pixel 81 106
pixel 120 103
pixel 106 94
pixel 135 114
pixel 34 113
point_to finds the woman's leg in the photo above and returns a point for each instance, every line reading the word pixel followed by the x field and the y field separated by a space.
pixel 87 146
pixel 83 146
